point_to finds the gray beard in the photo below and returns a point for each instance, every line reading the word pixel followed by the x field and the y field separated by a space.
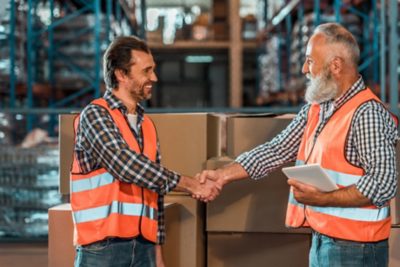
pixel 321 88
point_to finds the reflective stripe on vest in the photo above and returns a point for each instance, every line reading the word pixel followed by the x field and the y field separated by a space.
pixel 102 212
pixel 364 224
pixel 104 206
pixel 91 183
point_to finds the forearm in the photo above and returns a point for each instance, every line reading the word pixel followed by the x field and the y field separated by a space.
pixel 140 170
pixel 187 184
pixel 271 155
pixel 345 197
pixel 231 172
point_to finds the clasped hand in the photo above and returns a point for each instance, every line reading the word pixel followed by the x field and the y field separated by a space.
pixel 210 185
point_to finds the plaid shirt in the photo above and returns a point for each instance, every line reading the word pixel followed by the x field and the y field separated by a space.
pixel 99 144
pixel 371 145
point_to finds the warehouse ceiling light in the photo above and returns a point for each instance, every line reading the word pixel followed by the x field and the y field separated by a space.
pixel 199 59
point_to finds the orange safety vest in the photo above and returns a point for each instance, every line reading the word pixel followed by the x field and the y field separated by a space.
pixel 102 205
pixel 362 224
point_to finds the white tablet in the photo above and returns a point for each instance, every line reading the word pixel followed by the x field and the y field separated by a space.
pixel 311 174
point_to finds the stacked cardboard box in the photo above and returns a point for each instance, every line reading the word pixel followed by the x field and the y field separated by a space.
pixel 186 142
pixel 61 235
pixel 245 224
pixel 394 246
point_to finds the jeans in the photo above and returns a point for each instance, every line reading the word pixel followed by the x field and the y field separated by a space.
pixel 332 252
pixel 116 252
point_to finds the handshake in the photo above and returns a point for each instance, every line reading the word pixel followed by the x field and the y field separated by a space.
pixel 207 185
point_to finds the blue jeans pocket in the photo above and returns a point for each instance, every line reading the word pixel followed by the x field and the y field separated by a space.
pixel 98 246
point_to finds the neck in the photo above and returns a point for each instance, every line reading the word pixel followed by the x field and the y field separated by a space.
pixel 126 99
pixel 346 82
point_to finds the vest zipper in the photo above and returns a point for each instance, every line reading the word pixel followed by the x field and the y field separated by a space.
pixel 141 147
pixel 141 215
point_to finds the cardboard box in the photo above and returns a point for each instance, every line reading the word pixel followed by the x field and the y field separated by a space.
pixel 61 233
pixel 250 205
pixel 181 224
pixel 186 141
pixel 185 241
pixel 394 246
pixel 66 141
pixel 245 132
pixel 256 249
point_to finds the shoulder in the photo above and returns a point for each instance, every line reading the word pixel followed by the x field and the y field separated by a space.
pixel 373 108
pixel 374 114
pixel 93 112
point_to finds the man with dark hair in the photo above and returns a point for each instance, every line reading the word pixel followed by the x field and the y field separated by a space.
pixel 117 182
pixel 347 131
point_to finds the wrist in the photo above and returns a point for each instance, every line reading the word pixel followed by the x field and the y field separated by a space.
pixel 223 177
pixel 188 184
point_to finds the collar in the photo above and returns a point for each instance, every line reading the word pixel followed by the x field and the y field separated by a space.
pixel 358 86
pixel 113 102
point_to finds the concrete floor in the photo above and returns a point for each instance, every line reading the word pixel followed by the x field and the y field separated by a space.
pixel 23 254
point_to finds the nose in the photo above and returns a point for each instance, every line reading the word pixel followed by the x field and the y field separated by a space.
pixel 305 69
pixel 153 77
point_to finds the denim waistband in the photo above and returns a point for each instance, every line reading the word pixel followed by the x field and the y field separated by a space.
pixel 318 234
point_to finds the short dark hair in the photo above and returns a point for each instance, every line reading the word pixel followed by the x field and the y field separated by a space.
pixel 118 56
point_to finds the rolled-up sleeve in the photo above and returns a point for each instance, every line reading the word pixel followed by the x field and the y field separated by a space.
pixel 283 148
pixel 375 137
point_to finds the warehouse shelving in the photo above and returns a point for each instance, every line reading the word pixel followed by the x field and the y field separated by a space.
pixel 293 15
pixel 234 46
pixel 85 25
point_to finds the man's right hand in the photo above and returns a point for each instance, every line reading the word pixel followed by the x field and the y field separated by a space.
pixel 211 175
pixel 206 191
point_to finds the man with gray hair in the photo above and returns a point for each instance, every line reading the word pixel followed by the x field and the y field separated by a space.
pixel 345 129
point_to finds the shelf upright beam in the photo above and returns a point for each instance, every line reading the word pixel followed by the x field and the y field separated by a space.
pixel 370 37
pixel 11 38
pixel 394 56
pixel 109 8
pixel 235 55
pixel 30 54
pixel 97 68
pixel 317 13
pixel 280 61
pixel 288 25
pixel 142 27
pixel 50 54
pixel 375 43
pixel 337 6
pixel 300 18
pixel 383 51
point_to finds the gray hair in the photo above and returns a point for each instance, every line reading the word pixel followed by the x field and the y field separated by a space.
pixel 337 34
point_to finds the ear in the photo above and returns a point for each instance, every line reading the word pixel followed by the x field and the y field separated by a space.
pixel 336 65
pixel 120 75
